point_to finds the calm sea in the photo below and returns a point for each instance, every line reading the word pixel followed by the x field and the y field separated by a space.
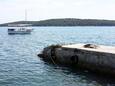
pixel 20 66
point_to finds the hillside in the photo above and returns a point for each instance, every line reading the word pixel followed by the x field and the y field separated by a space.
pixel 66 22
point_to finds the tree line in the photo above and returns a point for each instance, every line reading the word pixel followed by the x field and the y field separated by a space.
pixel 66 22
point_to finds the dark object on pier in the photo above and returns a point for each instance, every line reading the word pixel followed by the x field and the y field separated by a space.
pixel 91 46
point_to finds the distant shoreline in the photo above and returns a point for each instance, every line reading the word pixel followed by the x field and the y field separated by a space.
pixel 66 22
pixel 57 26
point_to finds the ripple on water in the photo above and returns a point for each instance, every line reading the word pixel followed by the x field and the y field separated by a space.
pixel 20 66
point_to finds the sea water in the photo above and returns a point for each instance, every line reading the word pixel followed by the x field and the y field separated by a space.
pixel 20 66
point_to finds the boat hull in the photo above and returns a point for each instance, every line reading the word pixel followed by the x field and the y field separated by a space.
pixel 18 32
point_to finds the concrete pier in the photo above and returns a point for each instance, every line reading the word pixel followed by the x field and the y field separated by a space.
pixel 97 58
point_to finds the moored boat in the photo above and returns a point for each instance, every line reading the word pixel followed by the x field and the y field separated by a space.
pixel 19 30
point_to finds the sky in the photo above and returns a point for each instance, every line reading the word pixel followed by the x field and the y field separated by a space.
pixel 14 10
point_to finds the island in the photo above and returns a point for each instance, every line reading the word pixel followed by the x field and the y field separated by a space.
pixel 64 22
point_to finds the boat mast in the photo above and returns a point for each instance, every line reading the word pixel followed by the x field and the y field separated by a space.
pixel 25 15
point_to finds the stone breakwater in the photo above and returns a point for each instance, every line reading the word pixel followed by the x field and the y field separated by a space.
pixel 96 58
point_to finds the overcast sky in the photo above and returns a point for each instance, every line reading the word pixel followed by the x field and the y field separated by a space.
pixel 14 10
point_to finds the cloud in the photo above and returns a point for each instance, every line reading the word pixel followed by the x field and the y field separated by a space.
pixel 13 10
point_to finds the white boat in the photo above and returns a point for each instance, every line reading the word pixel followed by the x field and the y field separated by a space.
pixel 19 30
